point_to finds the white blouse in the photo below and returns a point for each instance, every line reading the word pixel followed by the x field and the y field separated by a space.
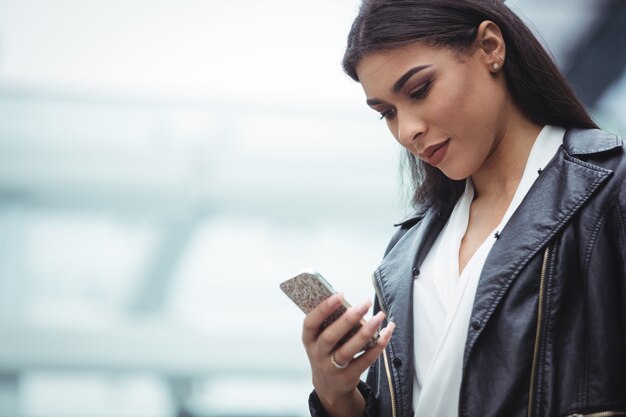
pixel 443 299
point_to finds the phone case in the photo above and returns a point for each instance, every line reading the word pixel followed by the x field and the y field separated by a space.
pixel 308 289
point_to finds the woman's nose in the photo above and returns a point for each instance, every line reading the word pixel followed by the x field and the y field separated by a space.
pixel 410 128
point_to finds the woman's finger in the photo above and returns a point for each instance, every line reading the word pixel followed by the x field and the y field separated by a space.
pixel 315 318
pixel 364 361
pixel 355 344
pixel 329 338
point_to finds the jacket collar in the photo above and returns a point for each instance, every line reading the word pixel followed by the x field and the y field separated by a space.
pixel 413 217
pixel 589 141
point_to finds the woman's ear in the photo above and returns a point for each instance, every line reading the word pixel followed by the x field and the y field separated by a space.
pixel 489 39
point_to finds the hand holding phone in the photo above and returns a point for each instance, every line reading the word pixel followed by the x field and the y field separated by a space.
pixel 308 289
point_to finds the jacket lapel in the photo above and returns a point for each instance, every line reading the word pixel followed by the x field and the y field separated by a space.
pixel 394 276
pixel 394 282
pixel 537 220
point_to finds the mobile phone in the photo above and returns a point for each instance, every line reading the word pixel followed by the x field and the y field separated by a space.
pixel 308 289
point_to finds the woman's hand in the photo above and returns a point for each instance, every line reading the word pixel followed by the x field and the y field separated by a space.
pixel 336 386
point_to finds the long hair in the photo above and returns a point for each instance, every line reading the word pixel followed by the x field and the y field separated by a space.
pixel 532 78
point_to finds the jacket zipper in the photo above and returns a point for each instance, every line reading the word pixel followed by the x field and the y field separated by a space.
pixel 389 381
pixel 392 394
pixel 533 372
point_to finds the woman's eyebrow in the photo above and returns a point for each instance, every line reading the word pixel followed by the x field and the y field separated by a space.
pixel 407 75
pixel 400 83
pixel 373 102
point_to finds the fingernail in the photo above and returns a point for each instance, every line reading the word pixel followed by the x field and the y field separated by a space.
pixel 363 307
pixel 334 300
pixel 375 321
pixel 388 330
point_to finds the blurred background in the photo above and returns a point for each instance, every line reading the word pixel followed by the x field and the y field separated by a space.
pixel 164 165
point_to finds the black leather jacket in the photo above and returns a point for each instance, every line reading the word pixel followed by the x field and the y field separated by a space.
pixel 547 335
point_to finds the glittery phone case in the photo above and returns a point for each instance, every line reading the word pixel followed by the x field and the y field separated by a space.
pixel 308 290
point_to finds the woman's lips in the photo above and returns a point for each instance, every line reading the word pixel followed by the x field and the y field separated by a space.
pixel 434 154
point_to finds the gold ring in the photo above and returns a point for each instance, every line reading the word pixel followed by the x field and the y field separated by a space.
pixel 337 364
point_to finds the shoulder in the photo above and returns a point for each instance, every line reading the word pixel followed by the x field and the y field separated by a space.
pixel 590 141
pixel 424 218
pixel 598 148
pixel 403 226
pixel 605 150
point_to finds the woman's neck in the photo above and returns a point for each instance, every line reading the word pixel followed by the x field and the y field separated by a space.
pixel 501 173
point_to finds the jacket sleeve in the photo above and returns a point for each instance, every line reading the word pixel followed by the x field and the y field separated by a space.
pixel 371 404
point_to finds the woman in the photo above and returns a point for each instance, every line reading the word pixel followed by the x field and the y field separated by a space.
pixel 507 287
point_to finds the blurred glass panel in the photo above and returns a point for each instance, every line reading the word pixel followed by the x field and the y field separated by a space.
pixel 263 397
pixel 95 395
pixel 83 266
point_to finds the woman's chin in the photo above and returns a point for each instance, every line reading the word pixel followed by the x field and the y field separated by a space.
pixel 453 174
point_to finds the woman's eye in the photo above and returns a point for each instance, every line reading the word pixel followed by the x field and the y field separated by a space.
pixel 388 114
pixel 422 91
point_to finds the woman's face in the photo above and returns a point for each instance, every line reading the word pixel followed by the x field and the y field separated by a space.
pixel 447 108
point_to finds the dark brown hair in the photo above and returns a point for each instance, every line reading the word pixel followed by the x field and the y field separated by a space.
pixel 534 81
